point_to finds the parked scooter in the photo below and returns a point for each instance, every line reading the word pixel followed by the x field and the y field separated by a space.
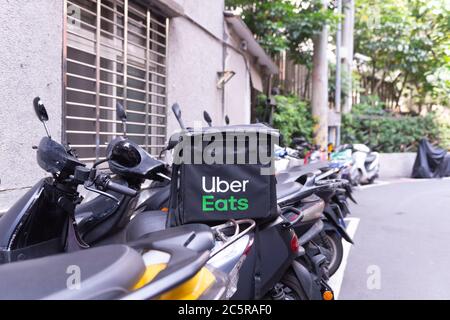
pixel 322 221
pixel 313 286
pixel 366 165
pixel 160 268
pixel 334 193
pixel 294 198
pixel 341 159
pixel 42 222
pixel 278 278
pixel 57 197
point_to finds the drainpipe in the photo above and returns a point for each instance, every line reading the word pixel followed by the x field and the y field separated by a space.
pixel 337 94
pixel 319 99
pixel 224 56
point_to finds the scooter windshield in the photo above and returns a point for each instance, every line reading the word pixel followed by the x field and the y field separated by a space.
pixel 51 156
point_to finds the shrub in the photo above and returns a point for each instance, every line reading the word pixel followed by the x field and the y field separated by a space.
pixel 292 117
pixel 368 123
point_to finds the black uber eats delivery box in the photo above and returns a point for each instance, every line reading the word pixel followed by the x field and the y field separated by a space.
pixel 223 173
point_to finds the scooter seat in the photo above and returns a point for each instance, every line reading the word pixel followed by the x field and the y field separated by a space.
pixel 287 189
pixel 294 173
pixel 151 225
pixel 106 272
pixel 370 158
pixel 288 192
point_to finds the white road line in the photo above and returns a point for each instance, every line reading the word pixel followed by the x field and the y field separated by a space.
pixel 335 281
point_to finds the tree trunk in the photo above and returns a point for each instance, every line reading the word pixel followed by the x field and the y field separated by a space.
pixel 306 87
pixel 380 82
pixel 397 100
pixel 319 99
pixel 372 78
pixel 347 43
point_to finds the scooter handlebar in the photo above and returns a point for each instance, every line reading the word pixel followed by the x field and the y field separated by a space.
pixel 113 186
pixel 103 182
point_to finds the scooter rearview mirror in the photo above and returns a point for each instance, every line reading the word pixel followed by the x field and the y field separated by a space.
pixel 227 120
pixel 177 112
pixel 120 112
pixel 122 116
pixel 207 118
pixel 40 110
pixel 41 113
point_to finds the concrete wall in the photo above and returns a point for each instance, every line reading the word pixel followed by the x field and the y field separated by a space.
pixel 396 165
pixel 31 53
pixel 194 58
pixel 238 89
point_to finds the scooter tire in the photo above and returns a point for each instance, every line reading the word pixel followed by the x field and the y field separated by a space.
pixel 335 245
pixel 291 281
pixel 356 180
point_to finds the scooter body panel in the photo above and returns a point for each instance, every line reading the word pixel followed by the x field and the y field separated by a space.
pixel 367 170
pixel 373 167
pixel 332 222
pixel 13 217
pixel 271 255
pixel 35 225
pixel 310 287
pixel 227 259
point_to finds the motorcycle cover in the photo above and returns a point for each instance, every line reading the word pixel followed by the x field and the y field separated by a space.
pixel 431 162
pixel 225 188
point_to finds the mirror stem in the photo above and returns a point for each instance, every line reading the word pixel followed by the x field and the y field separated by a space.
pixel 100 162
pixel 46 129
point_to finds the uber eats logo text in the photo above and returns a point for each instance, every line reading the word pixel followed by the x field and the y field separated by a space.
pixel 217 189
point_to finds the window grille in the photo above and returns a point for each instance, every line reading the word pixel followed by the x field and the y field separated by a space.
pixel 115 51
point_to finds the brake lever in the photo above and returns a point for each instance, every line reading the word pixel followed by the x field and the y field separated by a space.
pixel 105 194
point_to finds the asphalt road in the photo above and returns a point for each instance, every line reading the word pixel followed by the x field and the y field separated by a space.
pixel 402 242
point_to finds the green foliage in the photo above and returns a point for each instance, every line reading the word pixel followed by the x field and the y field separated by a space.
pixel 368 123
pixel 267 20
pixel 443 121
pixel 409 45
pixel 292 117
pixel 285 25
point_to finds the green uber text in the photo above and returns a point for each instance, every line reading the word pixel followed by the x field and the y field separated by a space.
pixel 212 203
pixel 230 204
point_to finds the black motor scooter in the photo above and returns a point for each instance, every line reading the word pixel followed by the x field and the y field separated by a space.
pixel 334 193
pixel 147 222
pixel 288 194
pixel 272 269
pixel 42 222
